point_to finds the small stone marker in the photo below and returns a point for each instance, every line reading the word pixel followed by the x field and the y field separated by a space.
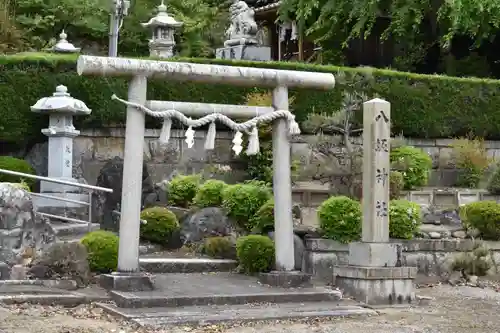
pixel 374 274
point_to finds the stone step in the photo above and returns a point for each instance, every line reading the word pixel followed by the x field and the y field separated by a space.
pixel 153 299
pixel 195 315
pixel 73 229
pixel 186 265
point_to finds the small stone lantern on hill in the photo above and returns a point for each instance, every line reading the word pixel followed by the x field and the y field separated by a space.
pixel 61 108
pixel 162 27
pixel 63 46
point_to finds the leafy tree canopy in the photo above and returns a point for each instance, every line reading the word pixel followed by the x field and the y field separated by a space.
pixel 349 19
pixel 36 23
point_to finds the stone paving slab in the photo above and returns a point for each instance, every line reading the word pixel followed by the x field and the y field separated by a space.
pixel 196 315
pixel 186 265
pixel 44 295
pixel 173 290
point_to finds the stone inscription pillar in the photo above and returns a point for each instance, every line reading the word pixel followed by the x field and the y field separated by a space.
pixel 376 168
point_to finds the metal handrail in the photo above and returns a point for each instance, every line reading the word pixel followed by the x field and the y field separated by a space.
pixel 57 181
pixel 90 188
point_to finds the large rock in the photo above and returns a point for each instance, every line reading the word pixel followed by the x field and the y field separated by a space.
pixel 23 233
pixel 298 249
pixel 62 261
pixel 104 204
pixel 206 222
pixel 433 215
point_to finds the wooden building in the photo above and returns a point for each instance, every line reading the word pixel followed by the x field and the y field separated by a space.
pixel 289 44
pixel 286 41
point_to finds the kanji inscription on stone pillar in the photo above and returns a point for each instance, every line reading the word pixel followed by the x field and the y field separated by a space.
pixel 376 169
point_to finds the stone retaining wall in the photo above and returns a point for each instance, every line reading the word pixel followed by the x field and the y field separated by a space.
pixel 431 256
pixel 93 148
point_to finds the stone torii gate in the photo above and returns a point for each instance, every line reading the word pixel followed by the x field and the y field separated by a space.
pixel 128 275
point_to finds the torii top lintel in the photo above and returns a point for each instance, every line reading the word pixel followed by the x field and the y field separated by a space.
pixel 179 71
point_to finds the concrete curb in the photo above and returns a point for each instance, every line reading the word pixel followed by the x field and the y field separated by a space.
pixel 186 265
pixel 70 300
pixel 151 299
pixel 199 316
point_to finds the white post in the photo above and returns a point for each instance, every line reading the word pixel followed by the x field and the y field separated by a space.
pixel 282 186
pixel 376 169
pixel 128 255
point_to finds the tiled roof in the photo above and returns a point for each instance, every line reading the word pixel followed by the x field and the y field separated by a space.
pixel 262 6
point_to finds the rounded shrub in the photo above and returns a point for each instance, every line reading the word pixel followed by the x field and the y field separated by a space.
pixel 493 185
pixel 404 219
pixel 485 217
pixel 255 253
pixel 182 190
pixel 340 219
pixel 102 248
pixel 396 184
pixel 159 225
pixel 18 165
pixel 263 220
pixel 414 163
pixel 210 194
pixel 242 201
pixel 220 247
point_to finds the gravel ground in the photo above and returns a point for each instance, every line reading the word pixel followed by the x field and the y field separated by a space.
pixel 455 309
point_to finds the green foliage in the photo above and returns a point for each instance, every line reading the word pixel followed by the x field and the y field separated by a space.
pixel 210 194
pixel 396 184
pixel 86 22
pixel 485 217
pixel 404 219
pixel 414 163
pixel 102 248
pixel 160 225
pixel 494 182
pixel 344 20
pixel 18 165
pixel 242 201
pixel 182 190
pixel 414 98
pixel 255 253
pixel 473 263
pixel 472 160
pixel 340 219
pixel 220 247
pixel 263 220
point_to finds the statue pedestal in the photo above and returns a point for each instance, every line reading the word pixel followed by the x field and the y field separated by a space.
pixel 244 52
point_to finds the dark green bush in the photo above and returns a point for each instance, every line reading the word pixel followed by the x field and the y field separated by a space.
pixel 210 194
pixel 340 219
pixel 414 97
pixel 18 165
pixel 255 253
pixel 220 247
pixel 494 182
pixel 263 220
pixel 396 184
pixel 485 217
pixel 242 201
pixel 182 190
pixel 414 163
pixel 404 219
pixel 102 248
pixel 160 224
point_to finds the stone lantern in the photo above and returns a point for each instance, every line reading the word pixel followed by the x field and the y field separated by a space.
pixel 61 108
pixel 63 46
pixel 162 28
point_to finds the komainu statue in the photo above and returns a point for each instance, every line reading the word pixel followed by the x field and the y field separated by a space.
pixel 243 28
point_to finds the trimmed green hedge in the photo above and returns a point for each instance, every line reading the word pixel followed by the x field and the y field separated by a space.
pixel 424 106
